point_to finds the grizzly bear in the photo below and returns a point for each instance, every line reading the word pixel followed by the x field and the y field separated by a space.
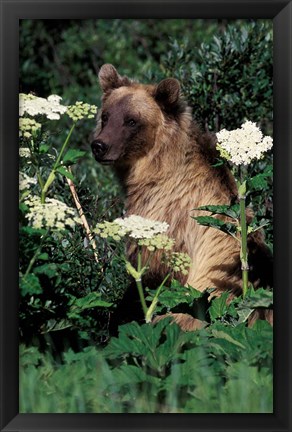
pixel 168 168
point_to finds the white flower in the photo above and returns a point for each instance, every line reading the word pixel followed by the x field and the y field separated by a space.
pixel 53 214
pixel 158 241
pixel 25 181
pixel 55 99
pixel 32 105
pixel 24 152
pixel 179 262
pixel 243 145
pixel 81 110
pixel 110 229
pixel 141 228
pixel 27 127
pixel 134 226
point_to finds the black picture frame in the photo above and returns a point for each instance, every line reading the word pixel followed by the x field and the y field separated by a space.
pixel 280 12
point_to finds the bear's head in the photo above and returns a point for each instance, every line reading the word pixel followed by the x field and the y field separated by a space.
pixel 131 116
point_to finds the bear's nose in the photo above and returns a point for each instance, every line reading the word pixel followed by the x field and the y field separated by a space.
pixel 99 148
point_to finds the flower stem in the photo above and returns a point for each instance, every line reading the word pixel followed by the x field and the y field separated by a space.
pixel 64 146
pixel 152 307
pixel 51 177
pixel 138 280
pixel 35 164
pixel 141 295
pixel 35 255
pixel 243 251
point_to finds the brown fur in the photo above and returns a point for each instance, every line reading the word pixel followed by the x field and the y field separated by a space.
pixel 185 321
pixel 165 164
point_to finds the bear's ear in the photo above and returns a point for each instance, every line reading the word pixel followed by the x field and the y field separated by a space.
pixel 109 78
pixel 167 93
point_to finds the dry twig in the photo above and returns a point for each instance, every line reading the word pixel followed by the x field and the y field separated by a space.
pixel 82 217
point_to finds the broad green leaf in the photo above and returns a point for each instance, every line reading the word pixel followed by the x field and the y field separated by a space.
pixel 243 313
pixel 219 163
pixel 258 298
pixel 157 344
pixel 219 307
pixel 54 325
pixel 23 207
pixel 129 374
pixel 43 256
pixel 189 372
pixel 174 295
pixel 50 270
pixel 44 148
pixel 27 230
pixel 226 227
pixel 189 291
pixel 89 301
pixel 260 181
pixel 30 285
pixel 72 156
pixel 62 170
pixel 223 335
pixel 230 211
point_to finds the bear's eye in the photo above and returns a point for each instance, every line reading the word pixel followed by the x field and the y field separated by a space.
pixel 131 122
pixel 104 118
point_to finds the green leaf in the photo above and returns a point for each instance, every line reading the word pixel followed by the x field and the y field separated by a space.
pixel 230 211
pixel 174 295
pixel 43 256
pixel 44 148
pixel 219 306
pixel 49 270
pixel 191 371
pixel 54 325
pixel 30 285
pixel 257 298
pixel 219 163
pixel 126 374
pixel 223 335
pixel 157 345
pixel 243 313
pixel 62 170
pixel 72 156
pixel 210 221
pixel 260 181
pixel 34 232
pixel 89 301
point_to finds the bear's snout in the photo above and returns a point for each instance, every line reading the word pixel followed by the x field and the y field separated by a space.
pixel 99 149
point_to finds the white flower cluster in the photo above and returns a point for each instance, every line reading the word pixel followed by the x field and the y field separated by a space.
pixel 241 146
pixel 141 228
pixel 53 214
pixel 24 152
pixel 81 110
pixel 25 181
pixel 27 127
pixel 179 262
pixel 34 105
pixel 158 241
pixel 110 229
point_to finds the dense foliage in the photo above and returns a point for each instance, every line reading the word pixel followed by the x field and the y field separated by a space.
pixel 67 297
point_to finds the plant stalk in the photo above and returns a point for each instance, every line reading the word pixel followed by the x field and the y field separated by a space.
pixel 141 295
pixel 243 251
pixel 154 302
pixel 35 255
pixel 51 177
